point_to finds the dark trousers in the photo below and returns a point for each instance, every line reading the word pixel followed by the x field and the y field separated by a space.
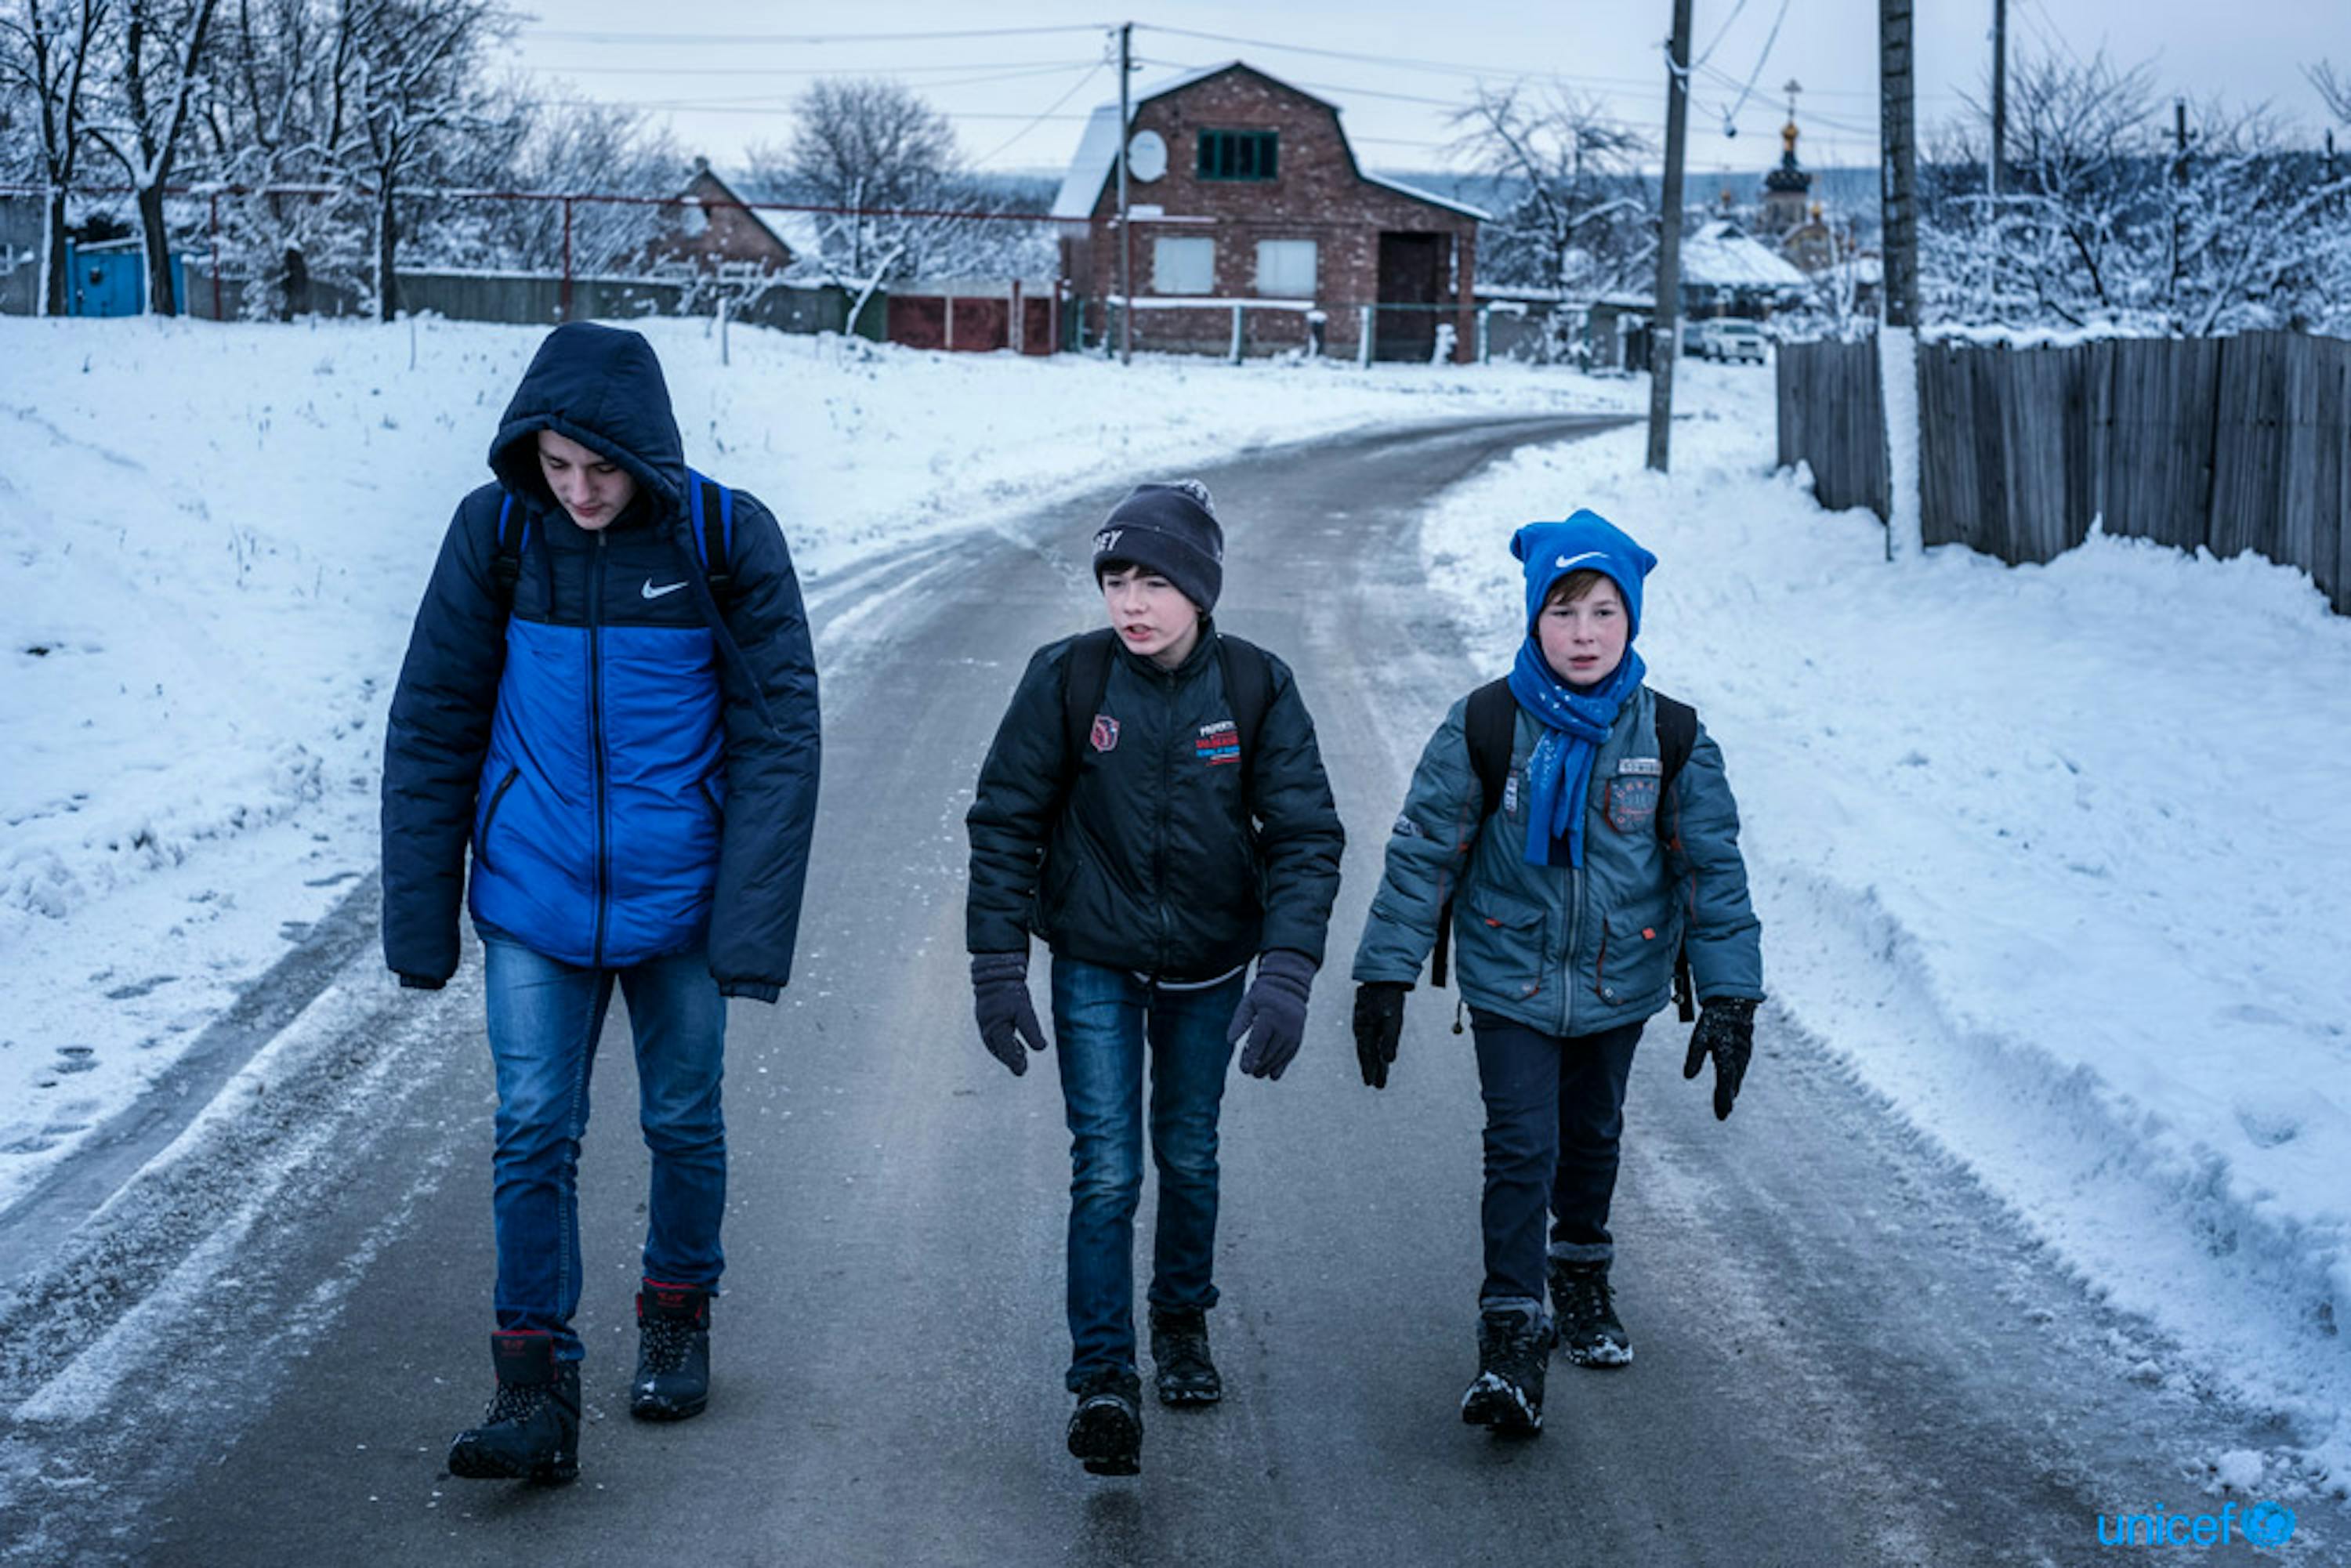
pixel 1554 1111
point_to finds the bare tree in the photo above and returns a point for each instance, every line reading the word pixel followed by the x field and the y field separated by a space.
pixel 419 111
pixel 2333 90
pixel 873 148
pixel 157 63
pixel 1585 224
pixel 602 150
pixel 2105 217
pixel 271 128
pixel 50 52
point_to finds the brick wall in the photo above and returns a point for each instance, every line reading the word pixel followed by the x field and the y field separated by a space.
pixel 1316 195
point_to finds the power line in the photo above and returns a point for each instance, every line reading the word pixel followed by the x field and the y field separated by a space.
pixel 1039 66
pixel 1324 86
pixel 1091 72
pixel 1441 67
pixel 683 39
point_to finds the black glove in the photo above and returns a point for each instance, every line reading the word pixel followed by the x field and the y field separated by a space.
pixel 420 982
pixel 999 999
pixel 1273 1012
pixel 1726 1031
pixel 1379 1024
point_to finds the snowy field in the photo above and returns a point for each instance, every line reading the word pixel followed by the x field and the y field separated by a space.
pixel 2055 857
pixel 214 539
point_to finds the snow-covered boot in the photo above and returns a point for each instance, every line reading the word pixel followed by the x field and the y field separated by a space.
pixel 1179 1357
pixel 532 1429
pixel 1106 1429
pixel 1513 1349
pixel 672 1353
pixel 1589 1334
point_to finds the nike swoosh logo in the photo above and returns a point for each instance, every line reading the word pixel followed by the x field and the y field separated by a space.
pixel 650 591
pixel 1587 555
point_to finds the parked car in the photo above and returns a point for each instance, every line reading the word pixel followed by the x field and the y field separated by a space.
pixel 1727 337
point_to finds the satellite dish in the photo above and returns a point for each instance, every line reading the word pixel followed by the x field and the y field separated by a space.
pixel 1146 156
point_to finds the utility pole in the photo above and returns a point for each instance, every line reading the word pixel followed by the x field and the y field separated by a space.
pixel 1999 96
pixel 1664 339
pixel 1898 339
pixel 2180 139
pixel 1125 227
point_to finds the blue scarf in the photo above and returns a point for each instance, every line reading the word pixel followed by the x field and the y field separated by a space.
pixel 1559 774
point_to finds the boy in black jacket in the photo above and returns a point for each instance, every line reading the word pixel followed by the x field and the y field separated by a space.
pixel 1154 807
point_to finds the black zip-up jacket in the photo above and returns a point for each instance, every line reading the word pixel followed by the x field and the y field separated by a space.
pixel 1174 855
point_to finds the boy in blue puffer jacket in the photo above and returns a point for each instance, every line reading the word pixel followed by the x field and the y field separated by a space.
pixel 609 698
pixel 1605 852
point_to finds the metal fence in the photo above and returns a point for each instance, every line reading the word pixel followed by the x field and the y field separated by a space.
pixel 2228 443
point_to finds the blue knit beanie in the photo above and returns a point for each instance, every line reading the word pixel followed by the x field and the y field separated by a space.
pixel 1584 542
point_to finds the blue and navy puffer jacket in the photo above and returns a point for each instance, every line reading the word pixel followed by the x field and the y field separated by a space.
pixel 632 763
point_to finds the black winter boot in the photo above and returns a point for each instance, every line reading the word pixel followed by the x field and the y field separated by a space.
pixel 532 1430
pixel 1589 1334
pixel 672 1353
pixel 1513 1349
pixel 1106 1430
pixel 1179 1357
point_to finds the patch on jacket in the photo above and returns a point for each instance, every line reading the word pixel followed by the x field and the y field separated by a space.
pixel 1510 795
pixel 1649 765
pixel 1406 828
pixel 1633 802
pixel 1106 735
pixel 1218 742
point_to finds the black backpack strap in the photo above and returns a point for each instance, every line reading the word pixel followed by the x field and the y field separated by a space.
pixel 1677 735
pixel 1491 727
pixel 712 508
pixel 506 568
pixel 1085 681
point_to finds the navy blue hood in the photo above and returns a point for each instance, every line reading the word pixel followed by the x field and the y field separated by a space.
pixel 601 387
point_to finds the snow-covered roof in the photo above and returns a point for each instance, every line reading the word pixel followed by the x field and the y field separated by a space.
pixel 1417 195
pixel 1097 153
pixel 801 233
pixel 1721 255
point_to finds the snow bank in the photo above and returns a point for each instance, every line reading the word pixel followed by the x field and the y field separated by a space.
pixel 2055 856
pixel 213 538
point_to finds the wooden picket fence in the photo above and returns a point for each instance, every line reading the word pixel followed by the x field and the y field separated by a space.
pixel 2231 444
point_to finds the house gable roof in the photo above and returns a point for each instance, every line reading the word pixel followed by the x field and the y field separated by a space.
pixel 1096 158
pixel 800 234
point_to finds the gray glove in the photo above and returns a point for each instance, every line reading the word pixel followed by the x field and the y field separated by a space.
pixel 1000 996
pixel 1273 1012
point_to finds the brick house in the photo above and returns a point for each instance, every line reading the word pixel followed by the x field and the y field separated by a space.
pixel 720 232
pixel 1244 192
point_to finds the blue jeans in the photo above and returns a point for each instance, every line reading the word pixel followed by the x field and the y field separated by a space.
pixel 544 1019
pixel 1554 1111
pixel 1101 1019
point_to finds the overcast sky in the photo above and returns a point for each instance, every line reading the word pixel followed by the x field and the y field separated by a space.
pixel 725 77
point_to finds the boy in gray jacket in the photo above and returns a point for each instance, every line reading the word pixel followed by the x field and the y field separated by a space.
pixel 1606 854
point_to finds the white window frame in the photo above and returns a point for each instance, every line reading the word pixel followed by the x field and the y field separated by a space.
pixel 1178 260
pixel 1278 274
